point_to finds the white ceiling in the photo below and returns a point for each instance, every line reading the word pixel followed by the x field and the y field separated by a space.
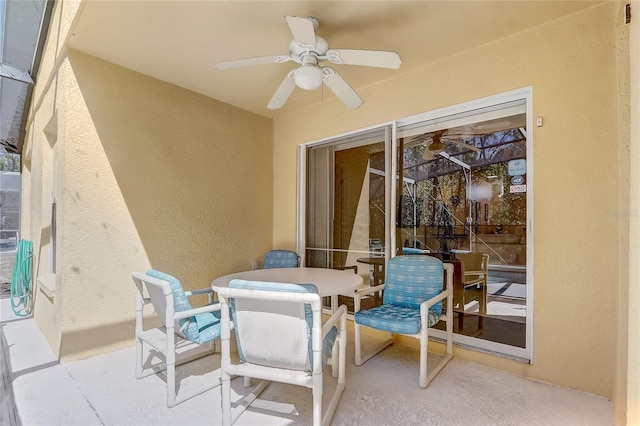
pixel 181 41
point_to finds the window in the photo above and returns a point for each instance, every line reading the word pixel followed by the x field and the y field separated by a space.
pixel 49 188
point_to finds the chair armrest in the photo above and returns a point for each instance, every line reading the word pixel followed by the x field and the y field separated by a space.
pixel 424 306
pixel 360 293
pixel 208 291
pixel 333 320
pixel 198 292
pixel 367 290
pixel 473 281
pixel 435 299
pixel 192 312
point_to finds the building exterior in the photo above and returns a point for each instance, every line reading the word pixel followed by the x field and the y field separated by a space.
pixel 122 172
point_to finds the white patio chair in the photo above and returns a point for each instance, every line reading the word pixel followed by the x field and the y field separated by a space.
pixel 280 337
pixel 412 303
pixel 184 333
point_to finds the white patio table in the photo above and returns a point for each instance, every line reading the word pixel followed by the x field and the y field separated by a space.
pixel 330 282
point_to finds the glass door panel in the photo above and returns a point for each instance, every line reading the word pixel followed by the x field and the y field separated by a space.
pixel 454 184
pixel 346 200
pixel 464 190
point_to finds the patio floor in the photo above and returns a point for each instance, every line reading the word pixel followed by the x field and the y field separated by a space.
pixel 102 390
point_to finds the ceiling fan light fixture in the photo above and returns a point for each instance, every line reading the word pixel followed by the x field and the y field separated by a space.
pixel 308 77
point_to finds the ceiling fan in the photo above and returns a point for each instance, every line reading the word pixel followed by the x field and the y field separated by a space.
pixel 309 50
pixel 436 143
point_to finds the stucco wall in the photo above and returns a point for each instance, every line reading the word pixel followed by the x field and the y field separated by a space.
pixel 147 175
pixel 570 64
pixel 630 357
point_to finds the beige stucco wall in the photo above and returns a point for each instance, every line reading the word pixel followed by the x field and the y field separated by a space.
pixel 570 65
pixel 147 175
pixel 629 358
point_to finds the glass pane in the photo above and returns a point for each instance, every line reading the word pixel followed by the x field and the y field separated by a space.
pixel 346 207
pixel 464 190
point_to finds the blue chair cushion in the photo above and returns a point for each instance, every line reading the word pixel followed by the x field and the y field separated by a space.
pixel 329 339
pixel 281 259
pixel 200 328
pixel 395 319
pixel 412 280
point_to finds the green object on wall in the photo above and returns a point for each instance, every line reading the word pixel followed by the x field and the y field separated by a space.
pixel 21 289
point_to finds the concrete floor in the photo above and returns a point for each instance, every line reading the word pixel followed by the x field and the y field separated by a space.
pixel 102 390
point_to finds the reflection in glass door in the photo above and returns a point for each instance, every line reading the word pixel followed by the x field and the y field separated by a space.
pixel 463 199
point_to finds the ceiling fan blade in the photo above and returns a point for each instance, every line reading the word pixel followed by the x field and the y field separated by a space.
pixel 368 58
pixel 284 91
pixel 303 30
pixel 274 59
pixel 466 145
pixel 341 89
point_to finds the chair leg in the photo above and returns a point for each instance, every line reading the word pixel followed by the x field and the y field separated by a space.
pixel 359 358
pixel 171 379
pixel 356 330
pixel 424 340
pixel 139 350
pixel 317 399
pixel 427 378
pixel 225 378
pixel 341 345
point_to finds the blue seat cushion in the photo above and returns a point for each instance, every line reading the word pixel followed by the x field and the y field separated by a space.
pixel 395 319
pixel 200 328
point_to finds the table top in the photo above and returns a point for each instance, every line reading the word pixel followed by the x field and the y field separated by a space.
pixel 330 282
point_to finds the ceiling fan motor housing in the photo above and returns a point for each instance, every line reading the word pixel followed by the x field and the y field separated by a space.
pixel 298 50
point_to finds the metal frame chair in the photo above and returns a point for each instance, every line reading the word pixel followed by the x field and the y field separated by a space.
pixel 412 303
pixel 280 337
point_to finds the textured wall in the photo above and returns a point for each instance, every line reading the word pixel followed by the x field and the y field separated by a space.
pixel 630 365
pixel 147 175
pixel 570 64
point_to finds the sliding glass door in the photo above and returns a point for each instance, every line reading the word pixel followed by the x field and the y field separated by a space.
pixel 454 184
pixel 346 198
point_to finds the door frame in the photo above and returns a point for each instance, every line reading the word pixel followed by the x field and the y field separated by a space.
pixel 522 354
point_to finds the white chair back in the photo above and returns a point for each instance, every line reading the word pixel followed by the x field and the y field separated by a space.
pixel 259 327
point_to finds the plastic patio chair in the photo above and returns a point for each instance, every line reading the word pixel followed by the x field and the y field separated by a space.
pixel 281 259
pixel 280 337
pixel 185 333
pixel 412 303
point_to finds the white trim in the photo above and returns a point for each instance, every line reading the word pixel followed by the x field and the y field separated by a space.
pixel 467 107
pixel 529 237
pixel 301 189
pixel 346 135
pixel 390 192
